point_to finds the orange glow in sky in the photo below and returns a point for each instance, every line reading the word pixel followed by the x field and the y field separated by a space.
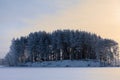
pixel 97 16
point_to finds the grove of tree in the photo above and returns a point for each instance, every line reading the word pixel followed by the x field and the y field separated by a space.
pixel 62 45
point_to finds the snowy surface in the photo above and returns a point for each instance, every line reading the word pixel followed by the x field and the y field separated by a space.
pixel 65 63
pixel 59 73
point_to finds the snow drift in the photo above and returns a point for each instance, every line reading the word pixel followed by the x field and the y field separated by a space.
pixel 64 63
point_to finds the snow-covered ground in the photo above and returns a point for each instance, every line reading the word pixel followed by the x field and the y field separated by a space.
pixel 8 73
pixel 1 66
pixel 65 63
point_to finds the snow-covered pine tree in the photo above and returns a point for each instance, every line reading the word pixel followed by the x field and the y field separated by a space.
pixel 62 45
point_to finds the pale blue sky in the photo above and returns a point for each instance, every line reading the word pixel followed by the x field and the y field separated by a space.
pixel 14 16
pixel 20 17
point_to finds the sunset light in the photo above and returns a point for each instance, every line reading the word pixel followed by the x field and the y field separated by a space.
pixel 97 16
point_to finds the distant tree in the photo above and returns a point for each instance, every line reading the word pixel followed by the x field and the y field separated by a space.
pixel 62 45
pixel 108 51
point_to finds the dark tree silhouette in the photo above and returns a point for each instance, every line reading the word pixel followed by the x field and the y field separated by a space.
pixel 62 45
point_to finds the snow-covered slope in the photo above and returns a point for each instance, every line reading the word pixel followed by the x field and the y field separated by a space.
pixel 65 63
pixel 1 66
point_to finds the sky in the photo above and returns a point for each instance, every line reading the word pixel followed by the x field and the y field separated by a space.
pixel 20 17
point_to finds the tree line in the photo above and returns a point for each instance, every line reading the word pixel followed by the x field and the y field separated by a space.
pixel 62 45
